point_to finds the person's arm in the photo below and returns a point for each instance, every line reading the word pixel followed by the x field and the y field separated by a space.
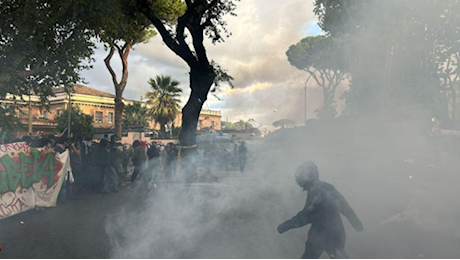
pixel 348 212
pixel 302 218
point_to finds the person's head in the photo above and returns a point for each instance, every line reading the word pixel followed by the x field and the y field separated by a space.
pixel 27 139
pixel 61 141
pixel 103 143
pixel 114 139
pixel 136 144
pixel 306 175
pixel 243 143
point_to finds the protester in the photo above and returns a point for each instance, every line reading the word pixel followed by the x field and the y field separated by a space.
pixel 111 176
pixel 242 156
pixel 101 162
pixel 116 154
pixel 153 153
pixel 76 162
pixel 87 159
pixel 171 160
pixel 60 145
pixel 322 210
pixel 27 139
pixel 138 160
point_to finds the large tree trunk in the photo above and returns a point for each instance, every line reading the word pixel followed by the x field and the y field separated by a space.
pixel 119 106
pixel 201 81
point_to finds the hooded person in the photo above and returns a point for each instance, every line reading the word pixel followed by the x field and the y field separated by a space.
pixel 322 210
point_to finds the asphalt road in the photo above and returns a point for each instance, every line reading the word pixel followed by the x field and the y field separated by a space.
pixel 73 229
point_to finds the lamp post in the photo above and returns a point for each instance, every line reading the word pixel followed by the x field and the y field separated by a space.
pixel 30 113
pixel 306 115
pixel 69 108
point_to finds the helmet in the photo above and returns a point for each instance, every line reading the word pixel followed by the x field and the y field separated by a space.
pixel 307 174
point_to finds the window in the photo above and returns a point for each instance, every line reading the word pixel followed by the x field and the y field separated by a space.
pixel 59 112
pixel 98 117
pixel 110 118
pixel 44 114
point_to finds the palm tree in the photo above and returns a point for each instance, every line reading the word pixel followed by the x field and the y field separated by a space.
pixel 135 115
pixel 164 100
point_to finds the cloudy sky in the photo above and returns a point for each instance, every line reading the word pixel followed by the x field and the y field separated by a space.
pixel 266 89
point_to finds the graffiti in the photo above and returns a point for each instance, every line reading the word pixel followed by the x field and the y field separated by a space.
pixel 16 204
pixel 26 170
pixel 13 147
pixel 29 178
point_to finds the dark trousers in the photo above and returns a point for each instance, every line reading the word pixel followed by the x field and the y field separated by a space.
pixel 136 172
pixel 319 241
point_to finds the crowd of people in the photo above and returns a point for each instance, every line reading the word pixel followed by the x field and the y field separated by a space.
pixel 103 166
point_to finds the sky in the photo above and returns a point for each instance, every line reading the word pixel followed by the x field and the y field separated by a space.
pixel 266 88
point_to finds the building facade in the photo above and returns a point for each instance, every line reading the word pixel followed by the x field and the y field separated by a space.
pixel 98 104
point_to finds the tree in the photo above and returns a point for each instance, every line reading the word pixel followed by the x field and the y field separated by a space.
pixel 324 61
pixel 43 44
pixel 448 53
pixel 135 115
pixel 391 52
pixel 164 100
pixel 81 124
pixel 201 18
pixel 8 117
pixel 121 28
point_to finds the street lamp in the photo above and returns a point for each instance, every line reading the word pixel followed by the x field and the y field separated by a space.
pixel 69 108
pixel 306 115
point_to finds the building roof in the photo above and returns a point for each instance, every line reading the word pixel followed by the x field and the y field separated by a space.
pixel 84 90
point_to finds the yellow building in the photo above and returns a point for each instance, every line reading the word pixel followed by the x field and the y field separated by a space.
pixel 98 104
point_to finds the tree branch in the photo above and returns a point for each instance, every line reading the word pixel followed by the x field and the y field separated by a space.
pixel 178 49
pixel 109 67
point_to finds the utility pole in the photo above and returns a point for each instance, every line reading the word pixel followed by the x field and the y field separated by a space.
pixel 69 109
pixel 306 99
pixel 30 113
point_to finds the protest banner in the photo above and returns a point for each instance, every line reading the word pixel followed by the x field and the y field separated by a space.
pixel 29 177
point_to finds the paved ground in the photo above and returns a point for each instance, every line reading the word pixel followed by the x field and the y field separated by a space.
pixel 73 229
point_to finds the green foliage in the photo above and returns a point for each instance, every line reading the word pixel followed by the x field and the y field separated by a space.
pixel 164 99
pixel 81 125
pixel 43 44
pixel 135 115
pixel 323 58
pixel 8 119
pixel 395 51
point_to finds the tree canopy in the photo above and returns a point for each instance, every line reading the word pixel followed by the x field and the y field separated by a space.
pixel 324 60
pixel 164 99
pixel 43 44
pixel 393 51
pixel 81 124
pixel 135 115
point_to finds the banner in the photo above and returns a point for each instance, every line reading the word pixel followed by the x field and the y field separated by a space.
pixel 29 177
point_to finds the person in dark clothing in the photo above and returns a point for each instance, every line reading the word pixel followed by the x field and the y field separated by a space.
pixel 242 156
pixel 27 139
pixel 138 160
pixel 61 146
pixel 153 154
pixel 101 162
pixel 171 160
pixel 322 210
pixel 87 160
pixel 111 176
